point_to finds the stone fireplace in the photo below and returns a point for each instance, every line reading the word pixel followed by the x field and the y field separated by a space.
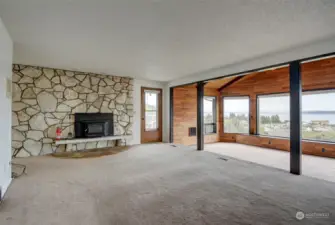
pixel 44 99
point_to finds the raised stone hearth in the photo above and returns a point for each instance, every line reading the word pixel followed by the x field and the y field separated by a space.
pixel 98 142
pixel 44 99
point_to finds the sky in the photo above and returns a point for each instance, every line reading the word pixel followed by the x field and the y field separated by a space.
pixel 208 105
pixel 238 105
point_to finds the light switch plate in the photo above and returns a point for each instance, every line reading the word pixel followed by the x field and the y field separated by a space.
pixel 8 88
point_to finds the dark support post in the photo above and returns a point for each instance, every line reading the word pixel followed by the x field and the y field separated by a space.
pixel 200 115
pixel 171 115
pixel 295 118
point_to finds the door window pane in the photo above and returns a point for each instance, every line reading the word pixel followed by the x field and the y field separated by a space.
pixel 150 120
pixel 151 110
pixel 151 102
pixel 236 114
pixel 318 115
pixel 274 115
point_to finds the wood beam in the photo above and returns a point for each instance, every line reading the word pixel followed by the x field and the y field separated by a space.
pixel 230 83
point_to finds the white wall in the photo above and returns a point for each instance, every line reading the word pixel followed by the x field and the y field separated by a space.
pixel 137 107
pixel 6 55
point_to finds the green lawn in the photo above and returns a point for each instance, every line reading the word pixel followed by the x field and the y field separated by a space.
pixel 327 136
pixel 235 126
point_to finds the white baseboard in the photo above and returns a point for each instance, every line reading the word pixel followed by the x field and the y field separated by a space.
pixel 5 187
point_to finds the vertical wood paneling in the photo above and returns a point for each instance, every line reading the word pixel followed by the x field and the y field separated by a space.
pixel 185 114
pixel 308 147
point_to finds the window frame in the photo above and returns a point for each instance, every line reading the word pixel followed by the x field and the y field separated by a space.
pixel 157 110
pixel 257 112
pixel 214 114
pixel 223 112
pixel 288 94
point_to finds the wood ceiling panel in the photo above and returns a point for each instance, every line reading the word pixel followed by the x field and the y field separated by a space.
pixel 219 83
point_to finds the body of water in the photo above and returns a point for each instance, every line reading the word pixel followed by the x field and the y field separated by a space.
pixel 306 117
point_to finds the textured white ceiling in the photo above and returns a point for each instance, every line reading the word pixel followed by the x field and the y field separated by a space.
pixel 160 39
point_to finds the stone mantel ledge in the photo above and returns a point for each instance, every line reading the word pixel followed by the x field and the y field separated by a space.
pixel 85 140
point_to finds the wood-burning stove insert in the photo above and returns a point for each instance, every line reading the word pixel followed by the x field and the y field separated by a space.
pixel 89 125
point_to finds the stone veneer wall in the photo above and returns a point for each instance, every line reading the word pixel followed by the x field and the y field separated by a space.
pixel 45 98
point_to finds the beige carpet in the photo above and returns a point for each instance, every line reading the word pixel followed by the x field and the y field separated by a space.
pixel 312 166
pixel 159 184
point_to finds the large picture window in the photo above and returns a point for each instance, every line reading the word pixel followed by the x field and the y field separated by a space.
pixel 210 114
pixel 318 115
pixel 236 115
pixel 274 115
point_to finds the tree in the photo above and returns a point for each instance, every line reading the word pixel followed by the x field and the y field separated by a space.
pixel 275 119
pixel 265 119
pixel 208 118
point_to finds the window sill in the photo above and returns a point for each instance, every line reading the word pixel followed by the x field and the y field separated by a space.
pixel 151 130
pixel 210 133
pixel 286 138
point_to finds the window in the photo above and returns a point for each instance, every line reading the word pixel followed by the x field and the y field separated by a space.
pixel 151 109
pixel 317 119
pixel 318 115
pixel 273 116
pixel 236 114
pixel 210 114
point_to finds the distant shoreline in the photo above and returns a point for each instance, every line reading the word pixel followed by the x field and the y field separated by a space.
pixel 319 112
pixel 278 113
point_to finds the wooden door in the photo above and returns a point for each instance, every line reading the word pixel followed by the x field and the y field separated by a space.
pixel 151 115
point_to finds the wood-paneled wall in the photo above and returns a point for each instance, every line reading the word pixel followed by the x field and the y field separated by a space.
pixel 316 75
pixel 308 147
pixel 185 114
